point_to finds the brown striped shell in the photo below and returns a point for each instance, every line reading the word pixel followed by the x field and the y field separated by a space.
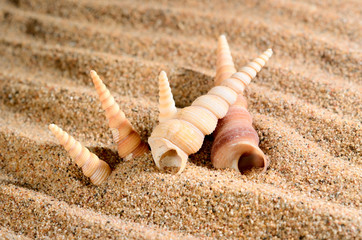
pixel 127 139
pixel 97 170
pixel 173 140
pixel 236 141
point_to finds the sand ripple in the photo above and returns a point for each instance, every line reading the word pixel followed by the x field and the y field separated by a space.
pixel 306 104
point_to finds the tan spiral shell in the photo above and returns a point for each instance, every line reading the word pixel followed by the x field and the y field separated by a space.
pixel 173 140
pixel 224 64
pixel 127 139
pixel 236 141
pixel 166 103
pixel 97 170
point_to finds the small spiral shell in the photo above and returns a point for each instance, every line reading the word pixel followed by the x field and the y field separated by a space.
pixel 166 103
pixel 127 139
pixel 224 64
pixel 97 170
pixel 236 141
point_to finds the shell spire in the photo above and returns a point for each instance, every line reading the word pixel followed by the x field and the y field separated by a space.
pixel 127 139
pixel 173 140
pixel 166 103
pixel 241 79
pixel 224 63
pixel 97 170
pixel 236 141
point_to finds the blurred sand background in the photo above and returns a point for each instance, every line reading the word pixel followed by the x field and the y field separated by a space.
pixel 306 104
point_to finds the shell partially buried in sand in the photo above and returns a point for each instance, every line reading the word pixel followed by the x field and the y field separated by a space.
pixel 97 170
pixel 129 143
pixel 173 140
pixel 236 141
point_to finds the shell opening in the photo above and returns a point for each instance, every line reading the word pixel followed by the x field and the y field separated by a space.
pixel 242 156
pixel 249 160
pixel 167 155
pixel 170 161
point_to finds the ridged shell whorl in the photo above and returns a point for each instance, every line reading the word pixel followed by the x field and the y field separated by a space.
pixel 236 141
pixel 241 79
pixel 224 64
pixel 166 103
pixel 127 139
pixel 97 170
pixel 173 140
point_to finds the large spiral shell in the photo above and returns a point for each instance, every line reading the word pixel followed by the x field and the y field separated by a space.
pixel 224 64
pixel 166 103
pixel 127 139
pixel 172 141
pixel 236 141
pixel 94 168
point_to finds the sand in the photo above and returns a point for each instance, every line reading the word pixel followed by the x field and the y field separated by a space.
pixel 306 104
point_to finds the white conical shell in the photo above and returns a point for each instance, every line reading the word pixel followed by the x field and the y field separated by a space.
pixel 166 103
pixel 94 168
pixel 173 140
pixel 127 139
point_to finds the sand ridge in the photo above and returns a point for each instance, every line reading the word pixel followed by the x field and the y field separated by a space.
pixel 306 104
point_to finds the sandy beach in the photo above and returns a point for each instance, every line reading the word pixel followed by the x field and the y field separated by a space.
pixel 306 105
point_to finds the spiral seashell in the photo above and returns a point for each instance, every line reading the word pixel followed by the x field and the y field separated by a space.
pixel 97 170
pixel 166 103
pixel 173 140
pixel 224 64
pixel 236 141
pixel 127 139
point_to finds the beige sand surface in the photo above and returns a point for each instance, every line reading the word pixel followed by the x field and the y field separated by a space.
pixel 306 104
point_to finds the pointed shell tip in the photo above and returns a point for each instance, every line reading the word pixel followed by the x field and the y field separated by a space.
pixel 94 75
pixel 163 74
pixel 96 79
